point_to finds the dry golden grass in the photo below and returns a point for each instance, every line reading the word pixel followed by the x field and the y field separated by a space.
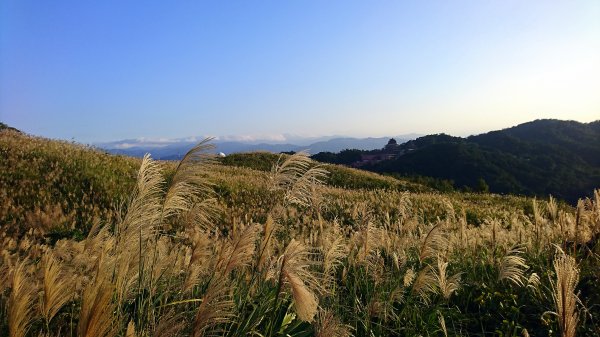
pixel 96 317
pixel 21 302
pixel 58 288
pixel 200 249
pixel 216 308
pixel 238 252
pixel 297 176
pixel 330 326
pixel 425 284
pixel 294 270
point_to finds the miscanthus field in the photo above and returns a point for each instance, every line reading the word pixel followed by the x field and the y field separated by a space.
pixel 265 245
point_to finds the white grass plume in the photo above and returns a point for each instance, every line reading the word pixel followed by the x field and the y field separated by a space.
pixel 265 249
pixel 442 324
pixel 334 251
pixel 130 332
pixel 169 324
pixel 513 267
pixel 425 283
pixel 408 278
pixel 552 207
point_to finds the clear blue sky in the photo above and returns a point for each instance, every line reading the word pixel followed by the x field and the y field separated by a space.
pixel 107 70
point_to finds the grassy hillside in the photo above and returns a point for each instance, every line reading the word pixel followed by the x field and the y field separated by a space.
pixel 339 176
pixel 56 184
pixel 102 245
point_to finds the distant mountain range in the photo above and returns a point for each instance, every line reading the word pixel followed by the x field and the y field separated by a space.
pixel 542 157
pixel 176 149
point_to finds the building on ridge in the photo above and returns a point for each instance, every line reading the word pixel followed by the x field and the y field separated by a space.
pixel 391 150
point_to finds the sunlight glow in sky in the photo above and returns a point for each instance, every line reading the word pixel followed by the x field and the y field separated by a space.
pixel 109 70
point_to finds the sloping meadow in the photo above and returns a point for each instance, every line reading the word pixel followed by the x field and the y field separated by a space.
pixel 198 248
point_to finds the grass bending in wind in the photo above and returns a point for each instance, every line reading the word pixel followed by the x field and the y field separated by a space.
pixel 205 250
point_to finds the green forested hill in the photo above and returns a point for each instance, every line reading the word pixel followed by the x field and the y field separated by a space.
pixel 542 157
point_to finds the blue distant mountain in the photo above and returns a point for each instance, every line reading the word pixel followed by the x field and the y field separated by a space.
pixel 176 149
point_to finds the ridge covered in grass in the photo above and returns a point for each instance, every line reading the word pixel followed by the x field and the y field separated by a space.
pixel 275 246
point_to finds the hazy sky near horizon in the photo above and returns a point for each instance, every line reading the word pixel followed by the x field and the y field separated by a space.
pixel 109 70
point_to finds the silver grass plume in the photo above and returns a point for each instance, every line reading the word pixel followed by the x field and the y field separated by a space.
pixel 513 267
pixel 408 278
pixel 370 239
pixel 189 189
pixel 238 252
pixel 216 309
pixel 330 326
pixel 130 332
pixel 266 242
pixel 565 299
pixel 297 179
pixel 447 285
pixel 552 209
pixel 434 243
pixel 533 284
pixel 96 315
pixel 21 304
pixel 294 271
pixel 169 324
pixel 199 255
pixel 145 207
pixel 425 283
pixel 596 209
pixel 58 287
pixel 334 251
pixel 442 323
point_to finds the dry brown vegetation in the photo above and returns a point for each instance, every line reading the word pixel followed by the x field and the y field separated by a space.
pixel 90 248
